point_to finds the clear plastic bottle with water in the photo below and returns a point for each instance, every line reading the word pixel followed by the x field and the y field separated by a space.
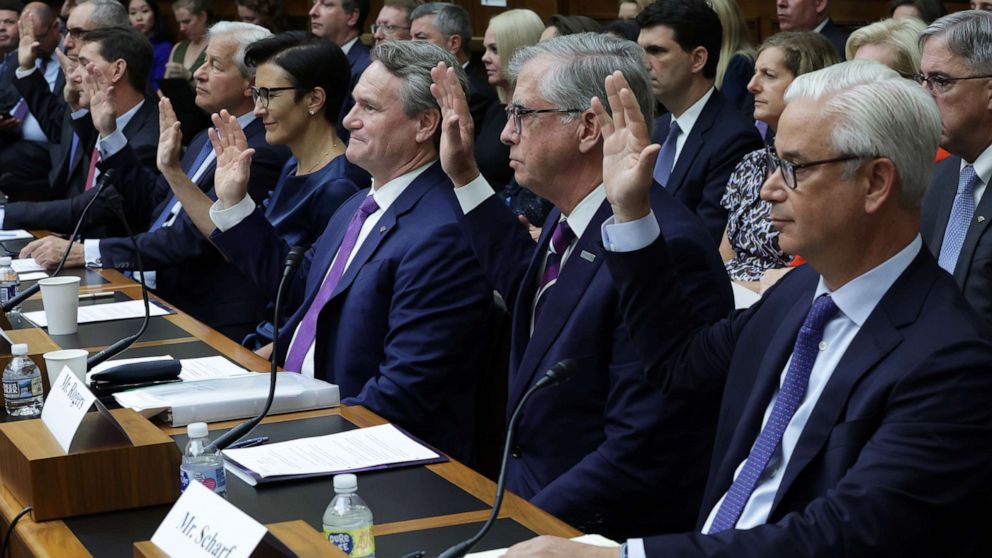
pixel 23 395
pixel 200 465
pixel 9 282
pixel 348 521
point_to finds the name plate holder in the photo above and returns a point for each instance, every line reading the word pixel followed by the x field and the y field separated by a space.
pixel 287 539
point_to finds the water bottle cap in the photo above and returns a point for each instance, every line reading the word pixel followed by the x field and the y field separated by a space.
pixel 5 261
pixel 19 349
pixel 345 483
pixel 197 430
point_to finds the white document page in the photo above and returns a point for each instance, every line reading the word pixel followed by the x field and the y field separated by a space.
pixel 595 540
pixel 32 276
pixel 361 448
pixel 104 312
pixel 204 368
pixel 15 234
pixel 25 265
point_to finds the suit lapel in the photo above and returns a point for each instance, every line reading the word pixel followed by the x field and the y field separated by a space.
pixel 975 231
pixel 693 144
pixel 946 180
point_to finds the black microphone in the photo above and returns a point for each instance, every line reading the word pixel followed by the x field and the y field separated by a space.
pixel 292 262
pixel 558 373
pixel 28 292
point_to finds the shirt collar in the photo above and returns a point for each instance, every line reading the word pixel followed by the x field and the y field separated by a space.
pixel 124 119
pixel 688 118
pixel 347 46
pixel 583 213
pixel 245 119
pixel 983 165
pixel 859 297
pixel 819 28
pixel 386 194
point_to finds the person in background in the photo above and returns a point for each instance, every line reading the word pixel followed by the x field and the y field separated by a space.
pixel 630 9
pixel 623 29
pixel 146 17
pixel 736 64
pixel 984 5
pixel 811 15
pixel 341 22
pixel 750 243
pixel 10 10
pixel 561 25
pixel 507 33
pixel 393 21
pixel 189 54
pixel 925 10
pixel 270 14
pixel 893 42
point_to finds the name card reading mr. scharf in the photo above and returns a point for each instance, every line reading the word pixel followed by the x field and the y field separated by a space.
pixel 66 406
pixel 202 523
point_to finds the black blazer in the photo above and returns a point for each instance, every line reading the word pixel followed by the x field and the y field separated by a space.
pixel 838 37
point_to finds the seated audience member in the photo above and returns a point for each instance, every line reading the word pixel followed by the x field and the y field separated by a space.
pixel 393 21
pixel 146 16
pixel 10 10
pixel 118 59
pixel 955 67
pixel 893 42
pixel 561 25
pixel 630 9
pixel 811 15
pixel 342 22
pixel 392 306
pixel 269 14
pixel 703 137
pixel 180 264
pixel 750 243
pixel 623 29
pixel 587 452
pixel 194 17
pixel 983 5
pixel 299 108
pixel 736 65
pixel 879 440
pixel 925 10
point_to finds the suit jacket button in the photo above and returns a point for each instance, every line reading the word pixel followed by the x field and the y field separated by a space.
pixel 515 451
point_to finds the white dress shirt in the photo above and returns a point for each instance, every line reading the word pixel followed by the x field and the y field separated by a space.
pixel 30 129
pixel 687 120
pixel 983 169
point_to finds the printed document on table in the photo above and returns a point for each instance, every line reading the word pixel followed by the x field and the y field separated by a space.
pixel 26 265
pixel 595 540
pixel 105 312
pixel 193 369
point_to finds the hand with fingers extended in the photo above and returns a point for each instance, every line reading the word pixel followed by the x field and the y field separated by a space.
pixel 233 158
pixel 170 140
pixel 71 91
pixel 628 154
pixel 457 127
pixel 27 48
pixel 103 104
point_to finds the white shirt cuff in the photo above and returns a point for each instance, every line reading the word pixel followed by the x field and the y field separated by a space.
pixel 21 73
pixel 635 548
pixel 630 236
pixel 111 145
pixel 3 213
pixel 227 218
pixel 76 115
pixel 91 251
pixel 473 194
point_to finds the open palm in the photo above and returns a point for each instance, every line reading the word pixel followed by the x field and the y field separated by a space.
pixel 233 158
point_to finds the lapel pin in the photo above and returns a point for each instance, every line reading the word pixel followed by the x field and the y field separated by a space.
pixel 382 229
pixel 587 256
pixel 981 218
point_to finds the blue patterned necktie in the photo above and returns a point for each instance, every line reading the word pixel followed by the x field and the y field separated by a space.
pixel 666 159
pixel 962 212
pixel 791 394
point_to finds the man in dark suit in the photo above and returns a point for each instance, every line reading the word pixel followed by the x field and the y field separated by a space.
pixel 587 451
pixel 854 418
pixel 183 267
pixel 390 304
pixel 119 60
pixel 956 212
pixel 812 15
pixel 703 137
pixel 342 22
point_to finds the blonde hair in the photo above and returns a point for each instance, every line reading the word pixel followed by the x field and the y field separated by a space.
pixel 735 36
pixel 513 30
pixel 901 36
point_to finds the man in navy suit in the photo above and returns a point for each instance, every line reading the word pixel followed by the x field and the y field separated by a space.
pixel 342 22
pixel 390 304
pixel 854 418
pixel 183 267
pixel 703 137
pixel 954 227
pixel 812 15
pixel 587 451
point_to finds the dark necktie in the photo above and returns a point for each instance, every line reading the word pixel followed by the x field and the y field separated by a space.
pixel 560 239
pixel 666 159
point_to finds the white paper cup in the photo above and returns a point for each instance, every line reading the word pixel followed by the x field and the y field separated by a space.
pixel 75 359
pixel 60 296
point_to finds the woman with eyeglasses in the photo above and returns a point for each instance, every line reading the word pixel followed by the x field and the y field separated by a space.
pixel 750 243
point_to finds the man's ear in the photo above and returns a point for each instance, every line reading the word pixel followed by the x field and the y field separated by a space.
pixel 699 56
pixel 590 134
pixel 427 125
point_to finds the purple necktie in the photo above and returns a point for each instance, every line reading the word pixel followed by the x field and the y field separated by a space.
pixel 308 326
pixel 560 239
pixel 791 394
pixel 666 158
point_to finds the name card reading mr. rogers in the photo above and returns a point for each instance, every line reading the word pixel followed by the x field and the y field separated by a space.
pixel 202 523
pixel 66 406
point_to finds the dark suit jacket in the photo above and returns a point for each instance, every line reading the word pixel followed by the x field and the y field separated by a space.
pixel 190 272
pixel 718 141
pixel 973 272
pixel 492 156
pixel 61 215
pixel 52 113
pixel 9 95
pixel 590 451
pixel 896 457
pixel 838 37
pixel 358 58
pixel 405 326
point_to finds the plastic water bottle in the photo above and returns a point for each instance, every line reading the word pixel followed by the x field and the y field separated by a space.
pixel 204 467
pixel 348 521
pixel 23 395
pixel 9 281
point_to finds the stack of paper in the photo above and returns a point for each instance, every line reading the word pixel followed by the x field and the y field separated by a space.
pixel 27 269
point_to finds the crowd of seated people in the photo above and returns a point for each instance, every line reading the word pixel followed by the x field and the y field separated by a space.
pixel 575 189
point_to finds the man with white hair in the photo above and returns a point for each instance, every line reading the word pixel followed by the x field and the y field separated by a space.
pixel 867 430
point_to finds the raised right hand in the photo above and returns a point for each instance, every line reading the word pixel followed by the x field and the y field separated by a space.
pixel 103 104
pixel 233 158
pixel 170 139
pixel 27 48
pixel 457 127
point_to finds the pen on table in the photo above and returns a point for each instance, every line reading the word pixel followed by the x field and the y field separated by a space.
pixel 249 443
pixel 94 296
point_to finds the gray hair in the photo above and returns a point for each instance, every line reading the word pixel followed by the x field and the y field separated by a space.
pixel 582 62
pixel 108 13
pixel 412 61
pixel 877 113
pixel 968 35
pixel 243 35
pixel 449 19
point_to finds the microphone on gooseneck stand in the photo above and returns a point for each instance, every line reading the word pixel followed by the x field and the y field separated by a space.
pixel 292 262
pixel 101 184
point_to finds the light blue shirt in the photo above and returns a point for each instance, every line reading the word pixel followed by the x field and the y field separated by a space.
pixel 30 129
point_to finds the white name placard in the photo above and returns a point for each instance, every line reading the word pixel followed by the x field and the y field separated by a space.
pixel 66 406
pixel 202 524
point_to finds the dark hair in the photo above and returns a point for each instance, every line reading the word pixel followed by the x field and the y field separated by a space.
pixel 196 7
pixel 623 28
pixel 128 44
pixel 299 54
pixel 162 31
pixel 694 23
pixel 271 13
pixel 363 11
pixel 11 5
pixel 930 10
pixel 569 24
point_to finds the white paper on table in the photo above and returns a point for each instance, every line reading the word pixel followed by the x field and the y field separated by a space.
pixel 66 406
pixel 362 448
pixel 32 275
pixel 202 523
pixel 25 265
pixel 595 540
pixel 193 369
pixel 104 312
pixel 15 234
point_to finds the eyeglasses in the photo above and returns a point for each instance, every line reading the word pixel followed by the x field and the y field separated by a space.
pixel 388 29
pixel 936 83
pixel 788 168
pixel 264 94
pixel 77 33
pixel 517 112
